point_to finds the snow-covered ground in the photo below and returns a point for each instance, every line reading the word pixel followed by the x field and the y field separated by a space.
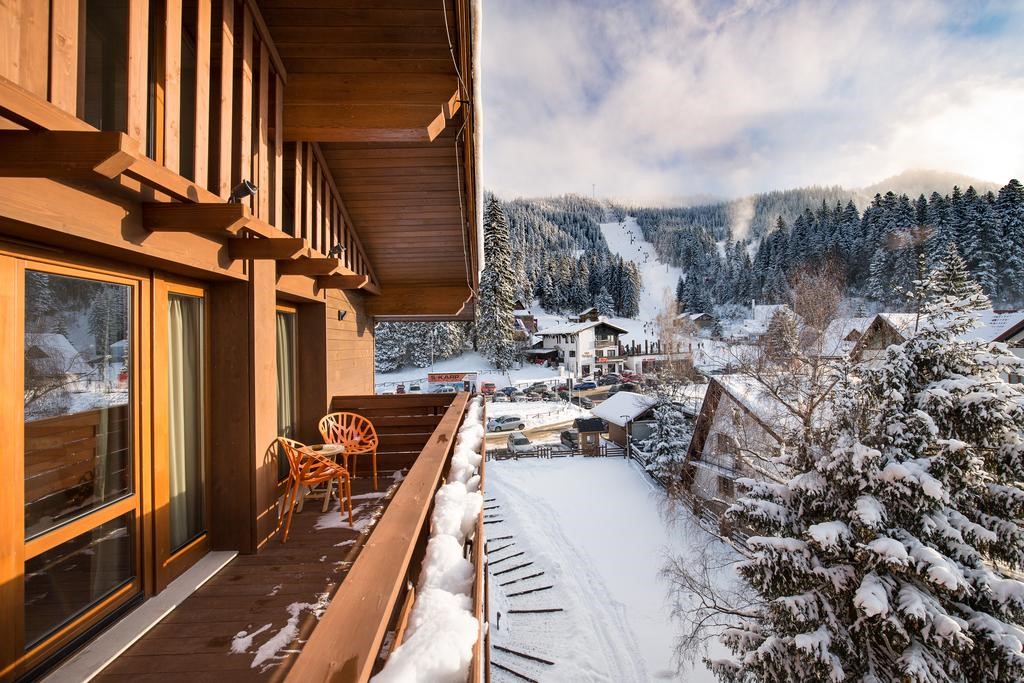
pixel 538 413
pixel 659 279
pixel 467 362
pixel 595 528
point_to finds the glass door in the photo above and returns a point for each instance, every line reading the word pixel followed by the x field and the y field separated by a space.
pixel 287 406
pixel 79 453
pixel 181 468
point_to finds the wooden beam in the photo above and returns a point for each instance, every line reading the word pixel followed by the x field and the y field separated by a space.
pixel 222 184
pixel 24 108
pixel 274 248
pixel 172 84
pixel 308 266
pixel 64 43
pixel 342 281
pixel 363 122
pixel 138 76
pixel 65 154
pixel 409 300
pixel 201 218
pixel 204 19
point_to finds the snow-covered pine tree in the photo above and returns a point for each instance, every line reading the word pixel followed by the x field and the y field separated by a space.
pixel 892 553
pixel 780 341
pixel 604 304
pixel 667 444
pixel 1010 209
pixel 388 347
pixel 495 323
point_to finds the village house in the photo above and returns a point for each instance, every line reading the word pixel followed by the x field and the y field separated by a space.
pixel 737 430
pixel 586 349
pixel 205 207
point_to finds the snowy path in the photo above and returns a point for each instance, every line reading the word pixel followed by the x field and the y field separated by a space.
pixel 595 528
pixel 659 279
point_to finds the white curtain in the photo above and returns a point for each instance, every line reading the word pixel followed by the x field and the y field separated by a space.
pixel 185 429
pixel 285 383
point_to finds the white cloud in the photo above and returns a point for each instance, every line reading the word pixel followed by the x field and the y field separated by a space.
pixel 677 97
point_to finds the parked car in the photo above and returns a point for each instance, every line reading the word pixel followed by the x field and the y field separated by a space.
pixel 508 391
pixel 505 423
pixel 628 386
pixel 532 396
pixel 415 389
pixel 548 396
pixel 517 396
pixel 608 380
pixel 584 386
pixel 614 389
pixel 570 438
pixel 583 402
pixel 500 398
pixel 488 388
pixel 400 389
pixel 518 443
pixel 538 387
pixel 562 387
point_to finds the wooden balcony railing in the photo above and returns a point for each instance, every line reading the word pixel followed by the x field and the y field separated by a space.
pixel 375 598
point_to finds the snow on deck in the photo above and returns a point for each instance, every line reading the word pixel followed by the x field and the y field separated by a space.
pixel 595 527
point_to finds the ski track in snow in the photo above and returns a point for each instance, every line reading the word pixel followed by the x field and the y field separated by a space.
pixel 659 279
pixel 593 628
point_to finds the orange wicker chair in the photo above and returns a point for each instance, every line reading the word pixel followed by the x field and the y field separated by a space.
pixel 356 433
pixel 307 468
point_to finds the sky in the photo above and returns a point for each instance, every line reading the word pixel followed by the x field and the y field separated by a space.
pixel 655 100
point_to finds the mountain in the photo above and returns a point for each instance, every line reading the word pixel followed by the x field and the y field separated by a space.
pixel 919 181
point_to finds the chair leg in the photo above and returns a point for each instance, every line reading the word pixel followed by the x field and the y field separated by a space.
pixel 327 495
pixel 355 459
pixel 291 511
pixel 374 458
pixel 348 497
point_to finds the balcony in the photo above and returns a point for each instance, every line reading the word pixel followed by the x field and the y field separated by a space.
pixel 333 600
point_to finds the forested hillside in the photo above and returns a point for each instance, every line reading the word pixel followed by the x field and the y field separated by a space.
pixel 733 254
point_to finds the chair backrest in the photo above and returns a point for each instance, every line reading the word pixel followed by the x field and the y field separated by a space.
pixel 350 429
pixel 291 450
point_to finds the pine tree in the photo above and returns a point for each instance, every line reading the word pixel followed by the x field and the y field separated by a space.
pixel 388 347
pixel 667 444
pixel 1010 212
pixel 890 553
pixel 780 340
pixel 604 304
pixel 495 323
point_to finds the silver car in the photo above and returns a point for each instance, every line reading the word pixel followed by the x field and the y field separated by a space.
pixel 518 443
pixel 505 423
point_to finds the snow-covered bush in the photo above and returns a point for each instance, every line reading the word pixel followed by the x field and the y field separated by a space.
pixel 892 552
pixel 668 443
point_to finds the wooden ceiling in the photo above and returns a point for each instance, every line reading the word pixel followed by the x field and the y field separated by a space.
pixel 373 82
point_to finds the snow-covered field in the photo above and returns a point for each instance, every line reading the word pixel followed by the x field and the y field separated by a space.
pixel 595 528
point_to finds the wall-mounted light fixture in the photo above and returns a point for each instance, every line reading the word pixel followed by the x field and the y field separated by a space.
pixel 243 190
pixel 342 314
pixel 336 251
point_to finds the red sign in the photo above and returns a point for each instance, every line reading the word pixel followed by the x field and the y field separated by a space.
pixel 441 377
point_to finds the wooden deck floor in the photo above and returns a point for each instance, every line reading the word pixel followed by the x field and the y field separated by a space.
pixel 275 596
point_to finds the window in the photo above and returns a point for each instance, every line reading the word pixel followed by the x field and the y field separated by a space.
pixel 78 422
pixel 104 77
pixel 726 488
pixel 287 406
pixel 572 354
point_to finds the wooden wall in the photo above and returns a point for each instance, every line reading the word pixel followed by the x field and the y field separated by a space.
pixel 349 345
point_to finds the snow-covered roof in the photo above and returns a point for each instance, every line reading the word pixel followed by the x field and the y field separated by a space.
pixel 576 328
pixel 60 350
pixel 753 396
pixel 836 341
pixel 904 323
pixel 623 403
pixel 992 325
pixel 764 312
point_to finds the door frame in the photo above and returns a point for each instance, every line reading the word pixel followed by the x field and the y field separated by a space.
pixel 169 564
pixel 15 658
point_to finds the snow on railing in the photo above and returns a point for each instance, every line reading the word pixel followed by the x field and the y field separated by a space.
pixel 442 628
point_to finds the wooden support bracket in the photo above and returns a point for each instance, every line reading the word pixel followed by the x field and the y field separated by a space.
pixel 273 248
pixel 308 266
pixel 65 154
pixel 198 218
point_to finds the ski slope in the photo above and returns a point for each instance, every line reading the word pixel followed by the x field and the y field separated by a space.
pixel 659 279
pixel 595 528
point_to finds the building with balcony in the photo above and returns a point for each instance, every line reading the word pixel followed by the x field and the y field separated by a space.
pixel 586 349
pixel 205 206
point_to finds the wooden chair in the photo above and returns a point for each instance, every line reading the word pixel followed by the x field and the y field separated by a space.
pixel 307 468
pixel 356 433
